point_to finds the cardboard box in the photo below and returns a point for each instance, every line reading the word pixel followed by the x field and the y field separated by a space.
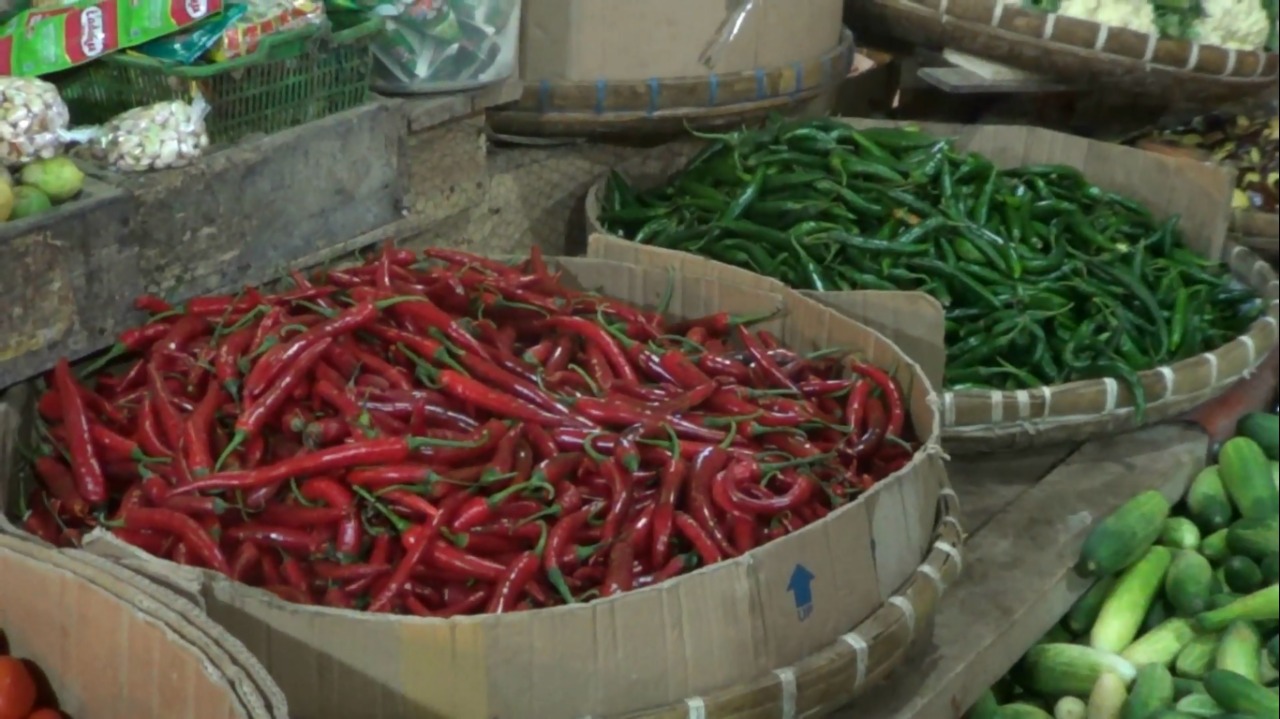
pixel 114 646
pixel 724 625
pixel 588 40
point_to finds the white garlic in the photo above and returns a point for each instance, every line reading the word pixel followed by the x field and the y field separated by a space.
pixel 159 136
pixel 32 118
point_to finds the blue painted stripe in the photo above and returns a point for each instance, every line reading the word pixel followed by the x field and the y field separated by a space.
pixel 602 88
pixel 544 96
pixel 655 89
pixel 799 70
pixel 713 92
pixel 760 84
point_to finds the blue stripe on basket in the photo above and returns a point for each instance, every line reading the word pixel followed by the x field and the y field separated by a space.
pixel 760 88
pixel 602 87
pixel 655 89
pixel 799 68
pixel 544 96
pixel 713 92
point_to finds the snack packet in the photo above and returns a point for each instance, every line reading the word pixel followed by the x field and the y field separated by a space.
pixel 154 137
pixel 263 18
pixel 42 41
pixel 32 119
pixel 189 47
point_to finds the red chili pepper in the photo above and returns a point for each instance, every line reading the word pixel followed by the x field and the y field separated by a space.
pixel 890 394
pixel 424 537
pixel 286 539
pixel 184 528
pixel 513 583
pixel 874 432
pixel 706 547
pixel 701 476
pixel 620 572
pixel 264 409
pixel 85 467
pixel 473 392
pixel 274 362
pixel 598 336
pixel 673 476
pixel 59 482
pixel 561 536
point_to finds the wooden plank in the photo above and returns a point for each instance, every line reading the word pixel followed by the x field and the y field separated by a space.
pixel 1018 579
pixel 986 484
pixel 962 81
pixel 427 111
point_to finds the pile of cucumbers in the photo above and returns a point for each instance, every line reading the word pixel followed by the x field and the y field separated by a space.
pixel 1182 621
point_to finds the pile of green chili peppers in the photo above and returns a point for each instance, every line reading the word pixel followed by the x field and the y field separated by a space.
pixel 1045 277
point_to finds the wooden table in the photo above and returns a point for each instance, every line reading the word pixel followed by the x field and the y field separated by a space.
pixel 1026 517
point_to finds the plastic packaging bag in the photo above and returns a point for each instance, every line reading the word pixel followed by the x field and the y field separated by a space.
pixel 445 45
pixel 263 18
pixel 187 48
pixel 32 119
pixel 153 137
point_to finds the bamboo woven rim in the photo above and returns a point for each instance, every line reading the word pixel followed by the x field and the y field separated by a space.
pixel 583 108
pixel 857 660
pixel 1252 223
pixel 975 420
pixel 1079 50
pixel 258 697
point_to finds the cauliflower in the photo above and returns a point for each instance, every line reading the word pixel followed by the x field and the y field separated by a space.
pixel 1130 14
pixel 1237 24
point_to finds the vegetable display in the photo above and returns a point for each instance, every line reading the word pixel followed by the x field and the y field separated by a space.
pixel 1251 144
pixel 1045 277
pixel 1248 25
pixel 19 693
pixel 1183 619
pixel 453 436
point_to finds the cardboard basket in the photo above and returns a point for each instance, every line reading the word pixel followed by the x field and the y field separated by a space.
pixel 980 421
pixel 720 639
pixel 112 644
pixel 1080 51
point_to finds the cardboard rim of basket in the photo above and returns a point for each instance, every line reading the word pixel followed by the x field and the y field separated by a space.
pixel 224 658
pixel 981 421
pixel 918 488
pixel 552 108
pixel 1081 50
pixel 858 659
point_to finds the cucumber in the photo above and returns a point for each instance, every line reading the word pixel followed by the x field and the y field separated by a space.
pixel 1085 611
pixel 1200 705
pixel 1222 599
pixel 1127 605
pixel 1161 645
pixel 1170 714
pixel 1124 537
pixel 1270 567
pixel 1239 651
pixel 1254 538
pixel 985 707
pixel 1155 616
pixel 1273 651
pixel 1275 474
pixel 1059 670
pixel 1180 533
pixel 1268 673
pixel 1107 697
pixel 1022 710
pixel 1214 547
pixel 1070 708
pixel 1264 429
pixel 1262 605
pixel 1056 634
pixel 1196 659
pixel 1246 475
pixel 1183 687
pixel 1188 583
pixel 1241 575
pixel 1207 501
pixel 1152 691
pixel 1236 694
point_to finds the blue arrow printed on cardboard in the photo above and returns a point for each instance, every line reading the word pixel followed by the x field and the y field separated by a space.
pixel 801 587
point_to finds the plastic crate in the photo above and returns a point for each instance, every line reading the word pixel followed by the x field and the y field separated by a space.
pixel 291 79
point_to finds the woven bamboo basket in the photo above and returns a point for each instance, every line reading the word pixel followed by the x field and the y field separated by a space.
pixel 857 660
pixel 168 658
pixel 980 421
pixel 658 106
pixel 1082 51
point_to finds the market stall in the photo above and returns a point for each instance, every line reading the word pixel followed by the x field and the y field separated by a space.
pixel 835 417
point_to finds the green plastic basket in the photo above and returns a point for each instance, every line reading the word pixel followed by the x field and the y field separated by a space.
pixel 291 78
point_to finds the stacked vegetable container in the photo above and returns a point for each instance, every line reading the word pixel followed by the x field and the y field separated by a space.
pixel 444 456
pixel 65 617
pixel 1071 308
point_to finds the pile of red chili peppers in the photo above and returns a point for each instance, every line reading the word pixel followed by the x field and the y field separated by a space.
pixel 452 435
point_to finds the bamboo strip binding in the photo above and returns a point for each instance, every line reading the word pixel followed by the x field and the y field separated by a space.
pixel 579 108
pixel 856 661
pixel 1080 50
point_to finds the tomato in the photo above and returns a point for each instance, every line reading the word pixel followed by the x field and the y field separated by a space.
pixel 47 714
pixel 17 689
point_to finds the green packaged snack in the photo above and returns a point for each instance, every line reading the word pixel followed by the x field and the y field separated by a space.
pixel 40 42
pixel 188 47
